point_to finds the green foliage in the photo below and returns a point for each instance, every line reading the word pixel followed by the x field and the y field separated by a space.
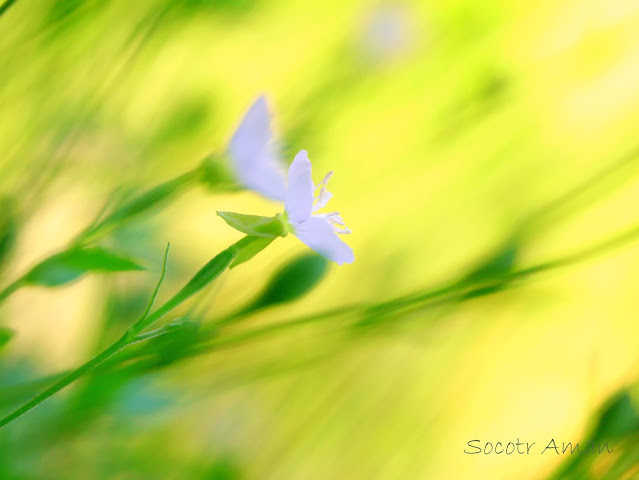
pixel 6 334
pixel 235 7
pixel 169 342
pixel 496 266
pixel 201 279
pixel 62 11
pixel 4 7
pixel 255 225
pixel 224 469
pixel 138 206
pixel 619 417
pixel 293 281
pixel 102 86
pixel 8 229
pixel 184 119
pixel 249 247
pixel 617 421
pixel 71 264
pixel 175 328
pixel 216 174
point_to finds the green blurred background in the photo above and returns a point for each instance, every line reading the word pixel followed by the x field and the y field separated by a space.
pixel 470 140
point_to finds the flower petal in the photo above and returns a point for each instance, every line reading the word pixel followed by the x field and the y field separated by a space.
pixel 253 159
pixel 266 177
pixel 318 234
pixel 299 197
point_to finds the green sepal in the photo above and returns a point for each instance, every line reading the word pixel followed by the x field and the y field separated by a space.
pixel 255 225
pixel 216 173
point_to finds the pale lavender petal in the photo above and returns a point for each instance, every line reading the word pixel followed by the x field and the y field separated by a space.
pixel 266 176
pixel 253 159
pixel 255 128
pixel 318 234
pixel 299 197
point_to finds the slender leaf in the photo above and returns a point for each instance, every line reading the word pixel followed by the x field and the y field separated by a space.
pixel 6 334
pixel 293 281
pixel 71 264
pixel 139 205
pixel 250 248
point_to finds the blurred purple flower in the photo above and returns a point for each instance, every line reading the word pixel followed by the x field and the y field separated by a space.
pixel 253 159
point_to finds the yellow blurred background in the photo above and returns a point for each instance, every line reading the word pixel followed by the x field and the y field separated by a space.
pixel 453 129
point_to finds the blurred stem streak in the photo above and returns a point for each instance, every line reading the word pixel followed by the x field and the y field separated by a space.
pixel 588 192
pixel 66 380
pixel 155 198
pixel 138 206
pixel 138 361
pixel 458 291
pixel 6 5
pixel 32 187
pixel 470 289
pixel 9 289
pixel 201 279
pixel 211 339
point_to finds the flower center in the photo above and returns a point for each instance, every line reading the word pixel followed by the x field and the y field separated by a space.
pixel 336 222
pixel 322 196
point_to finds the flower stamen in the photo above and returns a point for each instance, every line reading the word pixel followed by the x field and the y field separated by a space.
pixel 319 231
pixel 336 222
pixel 325 180
pixel 323 196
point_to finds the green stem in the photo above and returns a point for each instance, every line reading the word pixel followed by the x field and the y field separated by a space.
pixel 9 289
pixel 201 279
pixel 142 337
pixel 456 291
pixel 66 380
pixel 138 206
pixel 5 6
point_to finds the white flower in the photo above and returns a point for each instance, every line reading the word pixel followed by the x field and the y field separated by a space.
pixel 317 230
pixel 253 160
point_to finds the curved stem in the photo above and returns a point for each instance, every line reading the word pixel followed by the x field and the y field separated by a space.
pixel 201 279
pixel 9 289
pixel 5 6
pixel 66 380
